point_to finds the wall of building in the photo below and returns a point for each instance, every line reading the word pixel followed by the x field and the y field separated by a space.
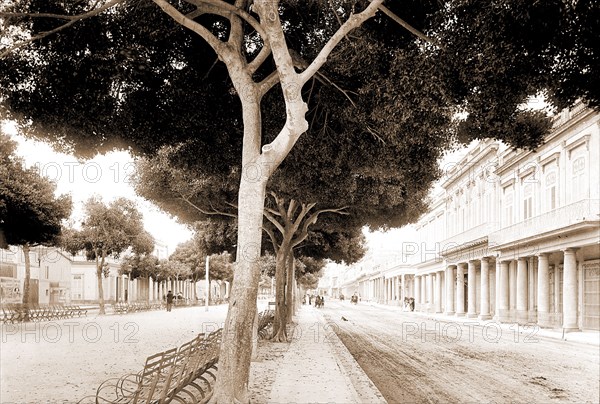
pixel 513 234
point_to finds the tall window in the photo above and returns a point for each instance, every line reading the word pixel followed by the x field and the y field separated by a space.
pixel 462 224
pixel 528 201
pixel 77 287
pixel 468 208
pixel 550 194
pixel 508 206
pixel 579 185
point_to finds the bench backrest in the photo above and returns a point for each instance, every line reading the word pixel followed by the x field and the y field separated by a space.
pixel 154 376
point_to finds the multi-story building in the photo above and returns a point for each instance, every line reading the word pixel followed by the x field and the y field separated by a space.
pixel 514 234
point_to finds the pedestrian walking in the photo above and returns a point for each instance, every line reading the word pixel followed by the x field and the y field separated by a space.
pixel 169 300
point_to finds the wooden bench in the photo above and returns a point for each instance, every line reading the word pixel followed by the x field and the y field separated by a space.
pixel 184 374
pixel 265 318
pixel 16 312
pixel 133 307
pixel 11 313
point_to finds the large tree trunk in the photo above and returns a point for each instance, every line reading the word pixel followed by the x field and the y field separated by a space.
pixel 26 281
pixel 236 348
pixel 99 275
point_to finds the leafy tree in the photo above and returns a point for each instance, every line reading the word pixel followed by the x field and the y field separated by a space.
pixel 30 213
pixel 109 230
pixel 309 272
pixel 221 266
pixel 133 74
pixel 140 265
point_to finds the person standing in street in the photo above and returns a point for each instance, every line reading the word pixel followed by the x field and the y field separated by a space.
pixel 169 300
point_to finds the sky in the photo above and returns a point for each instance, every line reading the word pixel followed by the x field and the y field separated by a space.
pixel 105 175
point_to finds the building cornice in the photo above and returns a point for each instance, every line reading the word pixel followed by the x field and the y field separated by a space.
pixel 512 157
pixel 469 160
pixel 561 232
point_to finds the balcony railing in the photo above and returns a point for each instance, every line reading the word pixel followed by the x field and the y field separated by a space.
pixel 578 212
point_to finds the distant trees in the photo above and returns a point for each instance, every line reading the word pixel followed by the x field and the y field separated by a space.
pixel 30 213
pixel 192 254
pixel 108 230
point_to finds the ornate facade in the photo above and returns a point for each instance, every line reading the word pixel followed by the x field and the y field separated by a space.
pixel 513 235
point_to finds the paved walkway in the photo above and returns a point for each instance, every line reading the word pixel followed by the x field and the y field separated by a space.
pixel 317 368
pixel 583 337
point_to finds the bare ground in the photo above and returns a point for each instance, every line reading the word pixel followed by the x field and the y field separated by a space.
pixel 63 361
pixel 414 359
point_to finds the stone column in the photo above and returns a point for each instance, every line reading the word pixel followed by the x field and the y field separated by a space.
pixel 450 283
pixel 472 289
pixel 558 274
pixel 417 292
pixel 512 282
pixel 438 292
pixel 403 288
pixel 484 311
pixel 424 293
pixel 532 280
pixel 430 306
pixel 460 289
pixel 543 291
pixel 570 291
pixel 503 293
pixel 522 316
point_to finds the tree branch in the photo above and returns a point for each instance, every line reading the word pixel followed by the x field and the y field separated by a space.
pixel 206 212
pixel 236 32
pixel 219 7
pixel 273 239
pixel 407 26
pixel 268 83
pixel 72 20
pixel 354 21
pixel 312 219
pixel 272 219
pixel 291 209
pixel 219 47
pixel 260 58
pixel 305 209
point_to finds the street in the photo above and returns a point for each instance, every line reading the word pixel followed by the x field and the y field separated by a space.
pixel 412 358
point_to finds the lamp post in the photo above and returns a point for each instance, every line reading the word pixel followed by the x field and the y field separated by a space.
pixel 207 286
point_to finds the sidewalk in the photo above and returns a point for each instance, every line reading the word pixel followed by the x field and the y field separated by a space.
pixel 317 368
pixel 582 337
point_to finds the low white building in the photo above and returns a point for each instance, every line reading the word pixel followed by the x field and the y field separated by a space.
pixel 50 276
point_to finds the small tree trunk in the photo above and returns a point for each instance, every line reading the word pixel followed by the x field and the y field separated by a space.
pixel 289 294
pixel 26 281
pixel 255 337
pixel 280 320
pixel 99 275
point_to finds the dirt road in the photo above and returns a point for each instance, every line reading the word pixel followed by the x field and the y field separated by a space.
pixel 414 359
